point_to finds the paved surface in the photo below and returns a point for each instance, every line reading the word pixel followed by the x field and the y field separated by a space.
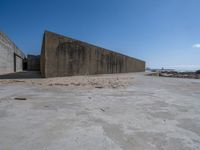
pixel 151 114
pixel 21 75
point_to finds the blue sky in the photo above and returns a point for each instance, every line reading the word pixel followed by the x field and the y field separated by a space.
pixel 164 33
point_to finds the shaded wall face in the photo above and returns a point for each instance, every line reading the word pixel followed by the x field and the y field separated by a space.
pixel 9 62
pixel 18 64
pixel 64 57
pixel 33 63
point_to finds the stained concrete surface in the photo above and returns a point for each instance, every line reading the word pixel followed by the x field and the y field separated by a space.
pixel 151 113
pixel 62 56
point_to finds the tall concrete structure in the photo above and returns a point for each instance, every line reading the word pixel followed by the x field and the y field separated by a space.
pixel 63 56
pixel 11 58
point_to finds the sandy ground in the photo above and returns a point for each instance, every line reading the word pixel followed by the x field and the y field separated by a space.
pixel 81 82
pixel 104 112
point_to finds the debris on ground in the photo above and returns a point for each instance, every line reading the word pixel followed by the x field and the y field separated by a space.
pixel 20 98
pixel 102 109
pixel 99 87
pixel 93 81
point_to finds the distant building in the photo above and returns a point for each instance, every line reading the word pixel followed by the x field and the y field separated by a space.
pixel 11 58
pixel 33 62
pixel 63 56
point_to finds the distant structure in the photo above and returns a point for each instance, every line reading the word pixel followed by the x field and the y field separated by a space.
pixel 63 56
pixel 33 62
pixel 11 58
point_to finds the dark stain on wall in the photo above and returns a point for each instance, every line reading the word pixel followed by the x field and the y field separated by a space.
pixel 71 57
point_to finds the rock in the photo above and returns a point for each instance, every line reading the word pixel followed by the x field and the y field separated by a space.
pixel 166 74
pixel 197 76
pixel 99 87
pixel 114 86
pixel 189 75
pixel 102 109
pixel 20 98
pixel 60 84
pixel 76 84
pixel 197 72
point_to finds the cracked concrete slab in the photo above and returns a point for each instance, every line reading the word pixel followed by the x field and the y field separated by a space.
pixel 150 113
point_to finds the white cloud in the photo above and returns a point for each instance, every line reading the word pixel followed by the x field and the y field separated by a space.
pixel 196 46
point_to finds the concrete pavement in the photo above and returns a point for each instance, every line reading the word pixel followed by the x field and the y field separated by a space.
pixel 153 113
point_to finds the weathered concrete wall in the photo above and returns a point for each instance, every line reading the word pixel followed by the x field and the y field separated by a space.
pixel 33 62
pixel 10 56
pixel 19 64
pixel 62 56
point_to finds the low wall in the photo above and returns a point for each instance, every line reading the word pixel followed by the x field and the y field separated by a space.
pixel 62 56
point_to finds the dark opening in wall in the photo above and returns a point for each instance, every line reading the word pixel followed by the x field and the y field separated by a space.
pixel 14 62
pixel 25 64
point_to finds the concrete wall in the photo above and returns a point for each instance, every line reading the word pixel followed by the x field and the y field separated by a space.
pixel 10 56
pixel 62 56
pixel 33 62
pixel 19 64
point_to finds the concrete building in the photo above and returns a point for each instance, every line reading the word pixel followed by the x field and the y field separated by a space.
pixel 11 58
pixel 33 62
pixel 63 56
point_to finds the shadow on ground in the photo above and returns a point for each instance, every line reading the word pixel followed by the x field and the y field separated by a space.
pixel 22 75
